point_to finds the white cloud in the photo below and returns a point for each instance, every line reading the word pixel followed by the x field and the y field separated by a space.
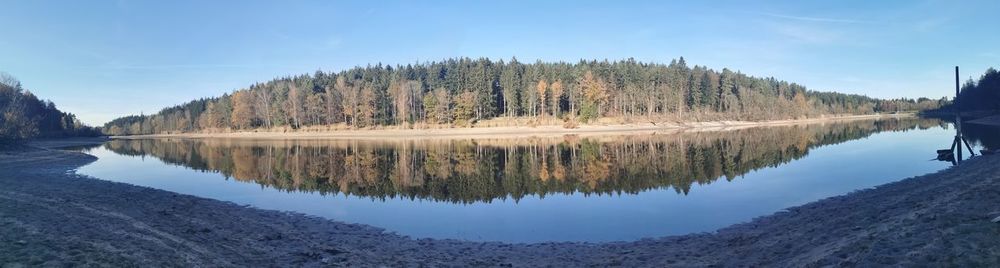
pixel 815 19
pixel 807 34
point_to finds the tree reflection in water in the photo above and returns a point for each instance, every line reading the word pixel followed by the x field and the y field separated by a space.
pixel 486 169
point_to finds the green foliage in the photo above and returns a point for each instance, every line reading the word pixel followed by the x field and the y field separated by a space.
pixel 588 111
pixel 976 95
pixel 465 108
pixel 24 116
pixel 463 90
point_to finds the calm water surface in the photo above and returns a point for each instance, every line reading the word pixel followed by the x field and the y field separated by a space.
pixel 571 188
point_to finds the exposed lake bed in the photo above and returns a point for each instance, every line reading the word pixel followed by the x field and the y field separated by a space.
pixel 950 209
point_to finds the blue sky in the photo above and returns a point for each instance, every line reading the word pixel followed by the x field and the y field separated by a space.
pixel 104 59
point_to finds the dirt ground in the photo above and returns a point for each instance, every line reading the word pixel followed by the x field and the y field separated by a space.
pixel 51 216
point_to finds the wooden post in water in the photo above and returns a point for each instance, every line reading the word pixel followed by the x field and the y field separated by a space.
pixel 959 139
pixel 958 120
pixel 954 154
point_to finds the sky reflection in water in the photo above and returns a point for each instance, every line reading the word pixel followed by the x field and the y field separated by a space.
pixel 601 188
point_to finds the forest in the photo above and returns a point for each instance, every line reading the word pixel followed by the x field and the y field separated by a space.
pixel 483 170
pixel 982 94
pixel 24 116
pixel 464 92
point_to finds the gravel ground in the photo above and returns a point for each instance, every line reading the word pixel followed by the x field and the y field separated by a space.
pixel 51 216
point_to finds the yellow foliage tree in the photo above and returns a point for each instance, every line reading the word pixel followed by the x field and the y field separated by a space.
pixel 541 87
pixel 557 90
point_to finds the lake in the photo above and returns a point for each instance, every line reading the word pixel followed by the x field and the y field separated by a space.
pixel 552 188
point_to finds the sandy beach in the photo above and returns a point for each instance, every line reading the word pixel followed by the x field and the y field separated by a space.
pixel 52 216
pixel 520 131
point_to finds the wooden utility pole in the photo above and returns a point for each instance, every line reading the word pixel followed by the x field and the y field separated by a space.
pixel 954 154
pixel 958 121
pixel 956 87
pixel 959 139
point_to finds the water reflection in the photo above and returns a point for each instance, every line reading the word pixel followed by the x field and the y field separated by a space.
pixel 984 136
pixel 484 170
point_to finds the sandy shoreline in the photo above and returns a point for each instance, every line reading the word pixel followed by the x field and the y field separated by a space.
pixel 939 219
pixel 523 131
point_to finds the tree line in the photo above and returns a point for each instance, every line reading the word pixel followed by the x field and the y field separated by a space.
pixel 483 170
pixel 465 91
pixel 24 116
pixel 982 94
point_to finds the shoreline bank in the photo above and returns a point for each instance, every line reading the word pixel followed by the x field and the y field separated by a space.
pixel 940 218
pixel 989 121
pixel 521 131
